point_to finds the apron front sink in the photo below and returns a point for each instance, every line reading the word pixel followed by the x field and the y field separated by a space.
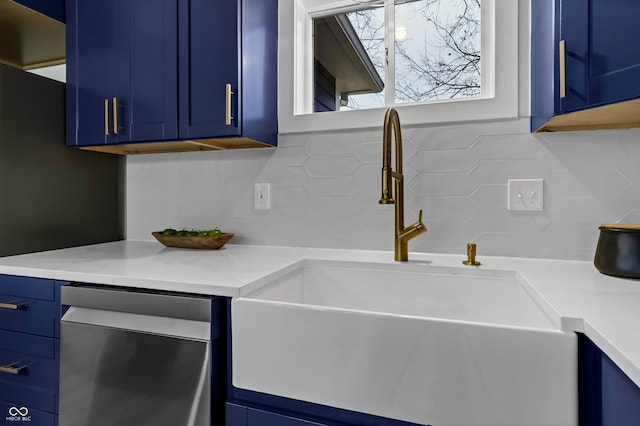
pixel 410 341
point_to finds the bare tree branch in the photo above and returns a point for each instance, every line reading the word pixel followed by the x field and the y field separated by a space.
pixel 448 64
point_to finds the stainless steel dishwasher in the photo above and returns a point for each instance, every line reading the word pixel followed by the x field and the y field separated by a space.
pixel 135 358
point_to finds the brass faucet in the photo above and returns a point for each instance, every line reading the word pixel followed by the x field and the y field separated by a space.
pixel 402 234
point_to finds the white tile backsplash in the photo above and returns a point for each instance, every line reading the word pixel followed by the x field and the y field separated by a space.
pixel 325 189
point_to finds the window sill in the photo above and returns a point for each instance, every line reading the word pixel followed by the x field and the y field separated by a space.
pixel 469 110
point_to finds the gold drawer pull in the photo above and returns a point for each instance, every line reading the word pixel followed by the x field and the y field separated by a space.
pixel 10 369
pixel 116 126
pixel 562 53
pixel 228 117
pixel 106 117
pixel 12 305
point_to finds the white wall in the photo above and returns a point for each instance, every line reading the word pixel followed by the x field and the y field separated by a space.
pixel 54 72
pixel 325 187
pixel 325 190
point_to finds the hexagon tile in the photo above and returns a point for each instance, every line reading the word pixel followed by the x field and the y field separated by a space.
pixel 326 185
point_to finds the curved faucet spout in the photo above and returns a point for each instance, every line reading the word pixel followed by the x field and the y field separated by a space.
pixel 402 234
pixel 391 124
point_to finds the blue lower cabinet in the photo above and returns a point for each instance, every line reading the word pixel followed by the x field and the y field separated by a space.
pixel 32 288
pixel 239 415
pixel 29 344
pixel 607 396
pixel 22 369
pixel 25 320
pixel 235 414
pixel 620 396
pixel 29 396
pixel 269 410
pixel 29 350
pixel 257 417
pixel 30 305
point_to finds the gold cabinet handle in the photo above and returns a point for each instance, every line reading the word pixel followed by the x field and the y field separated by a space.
pixel 10 369
pixel 116 127
pixel 228 105
pixel 562 65
pixel 106 117
pixel 12 305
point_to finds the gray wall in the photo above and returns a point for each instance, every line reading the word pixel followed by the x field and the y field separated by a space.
pixel 51 196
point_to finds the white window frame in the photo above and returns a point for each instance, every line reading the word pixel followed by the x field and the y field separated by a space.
pixel 499 73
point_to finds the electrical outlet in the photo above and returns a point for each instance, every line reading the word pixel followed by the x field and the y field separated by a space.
pixel 525 194
pixel 262 196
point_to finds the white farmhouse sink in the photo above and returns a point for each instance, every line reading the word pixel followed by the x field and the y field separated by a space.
pixel 424 344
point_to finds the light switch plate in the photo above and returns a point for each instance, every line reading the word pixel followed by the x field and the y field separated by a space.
pixel 525 194
pixel 262 196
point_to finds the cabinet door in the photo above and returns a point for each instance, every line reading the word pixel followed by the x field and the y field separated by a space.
pixel 589 382
pixel 92 68
pixel 620 396
pixel 602 55
pixel 147 96
pixel 30 305
pixel 121 71
pixel 607 396
pixel 615 56
pixel 208 62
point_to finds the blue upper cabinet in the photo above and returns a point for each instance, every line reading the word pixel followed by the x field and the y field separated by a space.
pixel 92 59
pixel 601 52
pixel 584 55
pixel 148 80
pixel 121 71
pixel 171 75
pixel 209 58
pixel 228 54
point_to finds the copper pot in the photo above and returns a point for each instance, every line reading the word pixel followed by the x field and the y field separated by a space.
pixel 618 250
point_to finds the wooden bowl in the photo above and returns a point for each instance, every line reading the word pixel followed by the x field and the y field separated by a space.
pixel 205 243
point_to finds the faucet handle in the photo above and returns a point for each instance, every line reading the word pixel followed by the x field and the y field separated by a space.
pixel 420 220
pixel 419 223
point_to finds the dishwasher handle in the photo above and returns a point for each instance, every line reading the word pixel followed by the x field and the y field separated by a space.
pixel 147 324
pixel 119 299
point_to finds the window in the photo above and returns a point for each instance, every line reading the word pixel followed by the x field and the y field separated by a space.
pixel 342 63
pixel 407 52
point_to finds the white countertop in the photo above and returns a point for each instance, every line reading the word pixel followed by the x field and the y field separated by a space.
pixel 606 309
